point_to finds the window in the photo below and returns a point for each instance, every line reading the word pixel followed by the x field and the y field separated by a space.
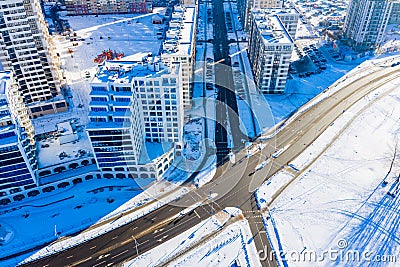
pixel 99 88
pixel 99 109
pixel 122 99
pixel 100 99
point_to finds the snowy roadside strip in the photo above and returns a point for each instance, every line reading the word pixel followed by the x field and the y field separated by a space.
pixel 357 74
pixel 272 188
pixel 98 231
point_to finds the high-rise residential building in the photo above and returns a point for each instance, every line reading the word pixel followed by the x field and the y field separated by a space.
pixel 25 49
pixel 91 7
pixel 270 49
pixel 136 114
pixel 18 161
pixel 245 7
pixel 366 22
pixel 179 47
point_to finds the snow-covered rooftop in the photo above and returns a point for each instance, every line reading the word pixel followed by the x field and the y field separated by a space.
pixel 272 29
pixel 179 37
pixel 50 149
pixel 124 71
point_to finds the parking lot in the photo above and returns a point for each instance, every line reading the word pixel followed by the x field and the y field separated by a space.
pixel 311 61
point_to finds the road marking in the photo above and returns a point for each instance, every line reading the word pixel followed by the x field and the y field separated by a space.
pixel 119 254
pixel 125 242
pixel 97 264
pixel 103 256
pixel 93 247
pixel 114 237
pixel 195 212
pixel 70 256
pixel 81 261
pixel 139 244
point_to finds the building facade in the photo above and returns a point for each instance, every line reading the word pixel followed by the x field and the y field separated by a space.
pixel 270 49
pixel 92 7
pixel 136 114
pixel 25 49
pixel 180 47
pixel 366 22
pixel 395 15
pixel 18 162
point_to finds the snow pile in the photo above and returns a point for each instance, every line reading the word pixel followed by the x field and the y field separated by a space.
pixel 206 244
pixel 6 234
pixel 192 139
pixel 271 187
pixel 205 176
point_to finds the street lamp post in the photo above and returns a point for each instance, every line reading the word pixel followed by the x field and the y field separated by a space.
pixel 136 245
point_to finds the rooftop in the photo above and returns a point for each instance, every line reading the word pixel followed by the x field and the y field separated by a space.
pixel 276 11
pixel 50 148
pixel 272 29
pixel 125 70
pixel 179 37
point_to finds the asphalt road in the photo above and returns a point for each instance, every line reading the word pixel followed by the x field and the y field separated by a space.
pixel 226 105
pixel 234 184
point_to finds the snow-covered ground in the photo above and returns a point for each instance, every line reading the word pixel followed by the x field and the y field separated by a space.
pixel 340 201
pixel 224 239
pixel 63 211
pixel 104 228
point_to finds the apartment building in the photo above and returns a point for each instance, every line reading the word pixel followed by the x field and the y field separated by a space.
pixel 180 47
pixel 91 7
pixel 270 48
pixel 366 22
pixel 18 161
pixel 245 7
pixel 25 49
pixel 136 116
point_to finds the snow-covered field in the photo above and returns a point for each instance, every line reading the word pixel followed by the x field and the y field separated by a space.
pixel 224 239
pixel 340 201
pixel 104 228
pixel 63 212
